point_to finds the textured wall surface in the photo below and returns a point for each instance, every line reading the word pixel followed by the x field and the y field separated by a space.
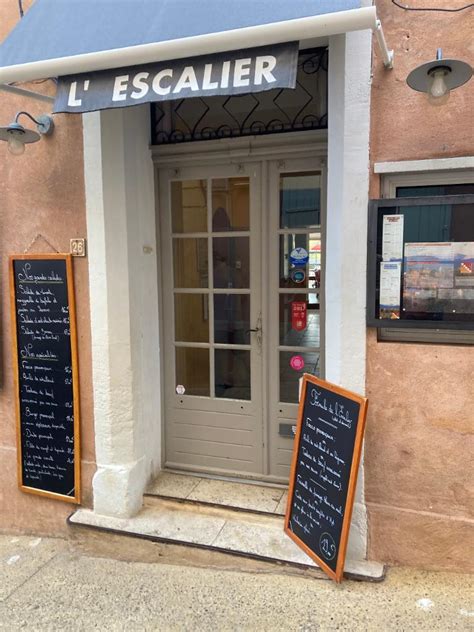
pixel 419 443
pixel 42 198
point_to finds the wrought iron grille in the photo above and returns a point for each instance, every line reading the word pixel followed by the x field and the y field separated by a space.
pixel 270 112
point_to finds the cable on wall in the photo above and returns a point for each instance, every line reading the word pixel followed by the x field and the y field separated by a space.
pixel 403 6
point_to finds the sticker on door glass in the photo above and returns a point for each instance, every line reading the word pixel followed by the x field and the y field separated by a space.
pixel 297 362
pixel 180 389
pixel 298 315
pixel 299 257
pixel 298 275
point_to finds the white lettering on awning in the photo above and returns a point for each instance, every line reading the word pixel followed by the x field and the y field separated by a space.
pixel 241 70
pixel 156 85
pixel 225 74
pixel 262 68
pixel 264 64
pixel 120 88
pixel 139 82
pixel 72 101
pixel 207 84
pixel 188 80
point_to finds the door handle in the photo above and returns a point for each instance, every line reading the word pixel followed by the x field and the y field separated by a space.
pixel 257 330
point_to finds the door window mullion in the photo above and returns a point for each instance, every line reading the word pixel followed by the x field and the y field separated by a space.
pixel 212 372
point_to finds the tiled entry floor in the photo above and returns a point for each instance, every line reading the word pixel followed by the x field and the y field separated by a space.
pixel 249 496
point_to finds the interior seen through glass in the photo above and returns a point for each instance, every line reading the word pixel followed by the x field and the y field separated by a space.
pixel 209 258
pixel 205 216
pixel 300 283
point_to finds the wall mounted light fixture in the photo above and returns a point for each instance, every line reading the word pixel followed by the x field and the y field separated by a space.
pixel 438 77
pixel 17 136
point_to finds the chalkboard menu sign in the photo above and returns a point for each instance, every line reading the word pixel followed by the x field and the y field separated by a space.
pixel 46 376
pixel 326 458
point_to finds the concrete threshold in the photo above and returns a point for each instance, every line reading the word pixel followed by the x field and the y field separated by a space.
pixel 214 534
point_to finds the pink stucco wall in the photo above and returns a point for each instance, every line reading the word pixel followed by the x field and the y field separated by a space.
pixel 419 432
pixel 42 206
pixel 419 442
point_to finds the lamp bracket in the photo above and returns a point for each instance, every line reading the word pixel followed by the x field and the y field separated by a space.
pixel 44 123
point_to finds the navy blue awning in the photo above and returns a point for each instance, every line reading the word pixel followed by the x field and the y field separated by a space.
pixel 57 37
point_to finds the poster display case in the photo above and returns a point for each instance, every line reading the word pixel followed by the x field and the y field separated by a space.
pixel 421 262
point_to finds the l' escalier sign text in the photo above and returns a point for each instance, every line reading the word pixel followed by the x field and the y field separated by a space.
pixel 237 72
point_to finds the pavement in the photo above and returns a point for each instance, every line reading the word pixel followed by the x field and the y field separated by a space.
pixel 46 585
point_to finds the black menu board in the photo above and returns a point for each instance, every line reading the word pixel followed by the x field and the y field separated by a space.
pixel 326 458
pixel 46 377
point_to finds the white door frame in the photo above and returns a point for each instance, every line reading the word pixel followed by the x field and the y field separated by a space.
pixel 119 188
pixel 270 154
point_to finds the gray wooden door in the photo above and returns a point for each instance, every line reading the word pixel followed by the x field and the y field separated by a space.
pixel 295 321
pixel 234 349
pixel 210 218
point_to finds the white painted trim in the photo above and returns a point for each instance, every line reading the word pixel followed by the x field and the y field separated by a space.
pixel 349 80
pixel 390 182
pixel 431 164
pixel 260 35
pixel 277 146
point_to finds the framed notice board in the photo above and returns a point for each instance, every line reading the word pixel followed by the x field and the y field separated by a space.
pixel 324 469
pixel 420 266
pixel 46 375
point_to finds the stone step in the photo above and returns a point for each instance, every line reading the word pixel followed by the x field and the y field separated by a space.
pixel 241 494
pixel 203 534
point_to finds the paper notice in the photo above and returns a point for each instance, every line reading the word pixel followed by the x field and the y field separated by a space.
pixel 392 238
pixel 390 282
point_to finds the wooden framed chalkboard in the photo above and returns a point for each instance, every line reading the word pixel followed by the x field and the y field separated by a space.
pixel 326 457
pixel 46 375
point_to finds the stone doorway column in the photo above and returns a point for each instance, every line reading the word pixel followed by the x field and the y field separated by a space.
pixel 346 234
pixel 123 281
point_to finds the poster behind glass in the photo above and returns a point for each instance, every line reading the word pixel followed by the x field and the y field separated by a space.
pixel 439 278
pixel 425 260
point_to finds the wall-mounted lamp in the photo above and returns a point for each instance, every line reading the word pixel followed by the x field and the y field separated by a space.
pixel 438 77
pixel 17 136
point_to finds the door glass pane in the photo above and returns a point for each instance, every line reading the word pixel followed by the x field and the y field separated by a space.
pixel 231 262
pixel 232 374
pixel 189 206
pixel 191 317
pixel 232 318
pixel 190 262
pixel 300 261
pixel 300 196
pixel 292 366
pixel 192 370
pixel 299 321
pixel 230 204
